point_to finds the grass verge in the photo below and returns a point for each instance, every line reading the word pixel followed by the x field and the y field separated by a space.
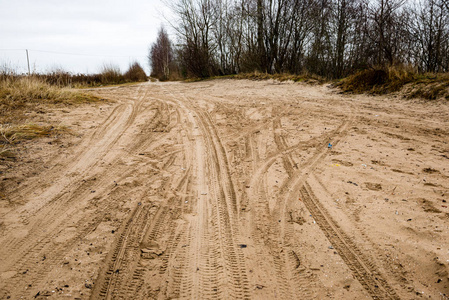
pixel 28 93
pixel 11 134
pixel 21 98
pixel 307 78
pixel 409 83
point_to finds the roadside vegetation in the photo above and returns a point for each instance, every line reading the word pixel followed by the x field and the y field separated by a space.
pixel 256 76
pixel 22 97
pixel 406 81
pixel 109 74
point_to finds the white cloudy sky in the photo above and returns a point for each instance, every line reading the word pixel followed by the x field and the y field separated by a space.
pixel 78 35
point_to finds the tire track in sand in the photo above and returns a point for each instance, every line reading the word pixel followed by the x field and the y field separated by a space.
pixel 215 267
pixel 362 267
pixel 359 263
pixel 151 273
pixel 64 189
pixel 39 243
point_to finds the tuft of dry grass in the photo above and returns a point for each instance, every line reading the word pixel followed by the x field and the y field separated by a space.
pixel 377 80
pixel 111 74
pixel 6 153
pixel 394 79
pixel 429 86
pixel 12 134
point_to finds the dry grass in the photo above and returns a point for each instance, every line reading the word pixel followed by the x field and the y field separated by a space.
pixel 110 75
pixel 429 86
pixel 6 153
pixel 27 93
pixel 377 80
pixel 410 83
pixel 23 97
pixel 305 77
pixel 20 95
pixel 11 134
pixel 15 92
pixel 135 73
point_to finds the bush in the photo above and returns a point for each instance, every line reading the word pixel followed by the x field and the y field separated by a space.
pixel 135 73
pixel 111 74
pixel 429 86
pixel 378 80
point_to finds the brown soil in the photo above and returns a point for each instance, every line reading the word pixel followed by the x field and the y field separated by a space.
pixel 227 189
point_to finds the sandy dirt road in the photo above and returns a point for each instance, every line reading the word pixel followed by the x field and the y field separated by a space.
pixel 228 190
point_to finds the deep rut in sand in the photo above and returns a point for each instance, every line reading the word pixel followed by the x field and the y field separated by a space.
pixel 205 191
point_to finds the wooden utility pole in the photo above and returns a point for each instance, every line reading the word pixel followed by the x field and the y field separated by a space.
pixel 28 60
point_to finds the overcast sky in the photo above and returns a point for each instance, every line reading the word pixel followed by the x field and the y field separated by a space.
pixel 78 35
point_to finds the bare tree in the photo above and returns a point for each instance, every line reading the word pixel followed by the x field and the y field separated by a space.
pixel 196 21
pixel 161 56
pixel 331 38
pixel 431 29
pixel 387 27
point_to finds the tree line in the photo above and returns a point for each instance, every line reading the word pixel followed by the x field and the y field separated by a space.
pixel 329 38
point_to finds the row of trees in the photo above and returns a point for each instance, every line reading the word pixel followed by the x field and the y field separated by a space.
pixel 330 38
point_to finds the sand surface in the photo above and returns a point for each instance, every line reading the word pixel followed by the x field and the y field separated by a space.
pixel 229 190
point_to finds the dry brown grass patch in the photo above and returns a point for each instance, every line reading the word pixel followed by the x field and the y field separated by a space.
pixel 21 98
pixel 410 83
pixel 18 95
pixel 258 76
pixel 305 77
pixel 19 92
pixel 14 134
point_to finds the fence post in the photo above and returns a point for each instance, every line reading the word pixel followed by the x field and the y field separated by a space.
pixel 28 60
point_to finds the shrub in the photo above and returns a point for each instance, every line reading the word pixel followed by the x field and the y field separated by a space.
pixel 135 73
pixel 111 74
pixel 378 80
pixel 429 86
